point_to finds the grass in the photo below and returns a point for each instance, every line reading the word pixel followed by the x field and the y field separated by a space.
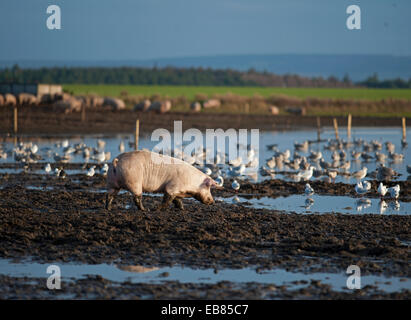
pixel 190 91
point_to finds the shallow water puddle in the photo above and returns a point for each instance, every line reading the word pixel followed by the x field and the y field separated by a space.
pixel 323 204
pixel 140 274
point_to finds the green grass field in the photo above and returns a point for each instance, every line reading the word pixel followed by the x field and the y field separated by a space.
pixel 190 91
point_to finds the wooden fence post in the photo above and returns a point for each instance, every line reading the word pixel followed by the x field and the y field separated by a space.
pixel 137 134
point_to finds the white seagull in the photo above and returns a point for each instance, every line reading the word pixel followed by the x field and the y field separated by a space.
pixel 91 171
pixel 394 191
pixel 235 185
pixel 308 190
pixel 220 181
pixel 47 168
pixel 382 190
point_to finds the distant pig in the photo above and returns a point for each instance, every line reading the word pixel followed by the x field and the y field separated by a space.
pixel 145 171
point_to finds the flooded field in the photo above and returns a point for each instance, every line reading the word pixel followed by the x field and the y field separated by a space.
pixel 268 239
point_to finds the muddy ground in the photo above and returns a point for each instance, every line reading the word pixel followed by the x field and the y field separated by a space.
pixel 65 220
pixel 42 120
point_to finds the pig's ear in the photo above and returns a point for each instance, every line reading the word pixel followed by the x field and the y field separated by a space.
pixel 208 182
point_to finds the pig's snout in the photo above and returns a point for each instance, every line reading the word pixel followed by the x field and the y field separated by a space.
pixel 208 200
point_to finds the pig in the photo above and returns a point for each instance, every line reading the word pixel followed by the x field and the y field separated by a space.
pixel 27 98
pixel 160 106
pixel 9 100
pixel 146 171
pixel 143 105
pixel 114 103
pixel 212 103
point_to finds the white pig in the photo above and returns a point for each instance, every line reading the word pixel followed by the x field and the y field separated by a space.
pixel 145 171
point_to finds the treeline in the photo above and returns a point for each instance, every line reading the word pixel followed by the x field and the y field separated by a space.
pixel 183 76
pixel 374 82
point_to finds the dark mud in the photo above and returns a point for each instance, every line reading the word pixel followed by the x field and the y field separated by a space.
pixel 42 120
pixel 95 287
pixel 64 220
pixel 68 224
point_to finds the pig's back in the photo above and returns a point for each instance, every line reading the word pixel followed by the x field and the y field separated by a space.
pixel 155 171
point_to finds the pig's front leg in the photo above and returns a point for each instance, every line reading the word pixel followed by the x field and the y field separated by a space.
pixel 178 203
pixel 138 200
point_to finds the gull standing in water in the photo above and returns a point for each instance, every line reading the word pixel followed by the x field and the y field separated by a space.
pixel 360 174
pixel 306 174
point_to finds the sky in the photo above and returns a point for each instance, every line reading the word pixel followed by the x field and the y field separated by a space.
pixel 149 29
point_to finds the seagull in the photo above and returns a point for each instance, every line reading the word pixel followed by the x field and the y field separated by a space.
pixel 47 168
pixel 382 190
pixel 91 171
pixel 308 190
pixel 65 144
pixel 101 157
pixel 385 173
pixel 332 174
pixel 34 148
pixel 104 169
pixel 360 174
pixel 396 157
pixel 306 174
pixel 271 163
pixel 356 155
pixel 367 185
pixel 121 147
pixel 220 181
pixel 101 144
pixel 360 188
pixel 394 191
pixel 235 185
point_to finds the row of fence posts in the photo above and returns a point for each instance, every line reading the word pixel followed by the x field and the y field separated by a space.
pixel 137 131
pixel 349 123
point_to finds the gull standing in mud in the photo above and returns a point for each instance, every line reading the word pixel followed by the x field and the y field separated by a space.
pixel 104 169
pixel 47 168
pixel 220 181
pixel 309 191
pixel 382 190
pixel 394 191
pixel 91 171
pixel 235 185
pixel 362 189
